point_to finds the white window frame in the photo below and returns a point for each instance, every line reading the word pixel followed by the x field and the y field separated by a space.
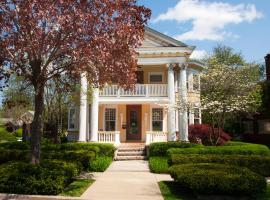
pixel 156 73
pixel 76 119
pixel 151 114
pixel 199 113
pixel 116 117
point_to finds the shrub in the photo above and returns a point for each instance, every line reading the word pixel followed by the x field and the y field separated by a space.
pixel 100 164
pixel 6 136
pixel 217 179
pixel 158 165
pixel 24 178
pixel 18 132
pixel 160 148
pixel 207 136
pixel 15 145
pixel 82 157
pixel 249 149
pixel 258 164
pixel 9 155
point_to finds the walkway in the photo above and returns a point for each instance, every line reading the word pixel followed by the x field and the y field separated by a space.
pixel 126 180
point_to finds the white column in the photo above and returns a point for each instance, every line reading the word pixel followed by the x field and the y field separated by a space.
pixel 94 115
pixel 171 111
pixel 83 109
pixel 183 116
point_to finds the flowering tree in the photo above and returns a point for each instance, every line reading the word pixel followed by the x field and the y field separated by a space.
pixel 40 40
pixel 228 86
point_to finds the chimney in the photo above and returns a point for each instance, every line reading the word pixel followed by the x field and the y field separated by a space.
pixel 267 66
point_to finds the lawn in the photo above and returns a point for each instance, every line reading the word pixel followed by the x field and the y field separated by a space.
pixel 77 188
pixel 170 191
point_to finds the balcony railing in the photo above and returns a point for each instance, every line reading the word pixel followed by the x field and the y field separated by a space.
pixel 140 90
pixel 155 136
pixel 109 137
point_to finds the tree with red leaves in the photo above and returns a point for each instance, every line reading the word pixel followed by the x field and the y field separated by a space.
pixel 41 40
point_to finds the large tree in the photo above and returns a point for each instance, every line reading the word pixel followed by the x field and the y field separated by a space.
pixel 42 39
pixel 229 86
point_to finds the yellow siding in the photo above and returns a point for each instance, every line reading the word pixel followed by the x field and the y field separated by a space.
pixel 149 69
pixel 145 120
pixel 121 116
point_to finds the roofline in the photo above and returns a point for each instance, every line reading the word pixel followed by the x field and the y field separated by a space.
pixel 168 38
pixel 198 63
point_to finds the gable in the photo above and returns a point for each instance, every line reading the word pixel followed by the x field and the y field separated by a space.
pixel 156 39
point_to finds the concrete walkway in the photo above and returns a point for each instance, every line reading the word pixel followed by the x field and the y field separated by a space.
pixel 126 180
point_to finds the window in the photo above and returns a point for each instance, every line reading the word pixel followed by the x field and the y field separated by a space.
pixel 155 78
pixel 72 118
pixel 197 118
pixel 157 119
pixel 110 119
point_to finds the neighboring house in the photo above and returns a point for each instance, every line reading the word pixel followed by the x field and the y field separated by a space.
pixel 257 127
pixel 165 73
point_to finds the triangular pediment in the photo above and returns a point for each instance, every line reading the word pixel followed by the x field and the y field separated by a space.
pixel 154 38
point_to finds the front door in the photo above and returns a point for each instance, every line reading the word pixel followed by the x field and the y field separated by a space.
pixel 134 126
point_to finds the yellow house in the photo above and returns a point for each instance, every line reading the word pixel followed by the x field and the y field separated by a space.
pixel 148 113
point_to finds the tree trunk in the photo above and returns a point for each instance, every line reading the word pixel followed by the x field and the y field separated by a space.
pixel 37 124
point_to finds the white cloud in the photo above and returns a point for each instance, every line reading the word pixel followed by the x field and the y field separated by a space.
pixel 209 19
pixel 198 54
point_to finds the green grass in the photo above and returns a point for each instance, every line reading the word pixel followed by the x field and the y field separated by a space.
pixel 158 165
pixel 170 191
pixel 77 188
pixel 5 136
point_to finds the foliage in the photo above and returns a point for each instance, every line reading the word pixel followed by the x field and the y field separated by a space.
pixel 160 148
pixel 170 190
pixel 23 178
pixel 229 86
pixel 5 136
pixel 258 164
pixel 158 165
pixel 18 132
pixel 218 179
pixel 77 188
pixel 15 145
pixel 244 149
pixel 69 37
pixel 100 164
pixel 207 135
pixel 9 155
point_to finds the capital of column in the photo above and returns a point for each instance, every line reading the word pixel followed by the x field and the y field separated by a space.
pixel 183 66
pixel 170 66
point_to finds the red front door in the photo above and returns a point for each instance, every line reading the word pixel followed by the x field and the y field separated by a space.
pixel 134 126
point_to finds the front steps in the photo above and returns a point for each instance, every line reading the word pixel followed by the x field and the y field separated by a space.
pixel 131 152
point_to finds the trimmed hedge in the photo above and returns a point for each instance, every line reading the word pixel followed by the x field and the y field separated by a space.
pixel 9 155
pixel 48 178
pixel 217 179
pixel 100 164
pixel 248 149
pixel 258 164
pixel 160 148
pixel 158 165
pixel 82 157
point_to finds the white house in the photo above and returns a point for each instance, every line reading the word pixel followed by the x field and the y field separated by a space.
pixel 165 73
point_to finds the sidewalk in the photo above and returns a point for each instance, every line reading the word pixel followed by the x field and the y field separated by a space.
pixel 126 180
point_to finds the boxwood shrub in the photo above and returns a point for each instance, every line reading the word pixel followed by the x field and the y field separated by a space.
pixel 258 164
pixel 249 149
pixel 100 164
pixel 48 178
pixel 160 148
pixel 9 155
pixel 158 165
pixel 206 178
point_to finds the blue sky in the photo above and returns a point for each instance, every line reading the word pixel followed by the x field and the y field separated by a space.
pixel 241 24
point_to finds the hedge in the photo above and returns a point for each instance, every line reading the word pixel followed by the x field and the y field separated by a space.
pixel 48 178
pixel 208 178
pixel 82 157
pixel 158 165
pixel 9 155
pixel 249 149
pixel 100 164
pixel 258 164
pixel 160 148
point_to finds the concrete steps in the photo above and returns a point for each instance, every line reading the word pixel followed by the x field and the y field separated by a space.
pixel 131 152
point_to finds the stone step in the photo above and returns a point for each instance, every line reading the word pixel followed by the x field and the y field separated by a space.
pixel 121 149
pixel 131 153
pixel 119 158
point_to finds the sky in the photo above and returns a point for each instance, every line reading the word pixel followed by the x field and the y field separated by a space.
pixel 243 25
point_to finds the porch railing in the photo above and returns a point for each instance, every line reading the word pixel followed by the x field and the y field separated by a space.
pixel 140 90
pixel 155 136
pixel 109 137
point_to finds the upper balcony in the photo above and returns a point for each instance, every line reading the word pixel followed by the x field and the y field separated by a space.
pixel 140 90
